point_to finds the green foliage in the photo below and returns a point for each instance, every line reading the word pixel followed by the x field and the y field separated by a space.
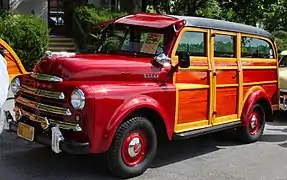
pixel 281 40
pixel 89 16
pixel 26 34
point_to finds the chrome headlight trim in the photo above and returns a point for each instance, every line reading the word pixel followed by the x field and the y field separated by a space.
pixel 78 99
pixel 15 85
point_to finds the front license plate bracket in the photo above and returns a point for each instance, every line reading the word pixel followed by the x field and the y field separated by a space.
pixel 25 131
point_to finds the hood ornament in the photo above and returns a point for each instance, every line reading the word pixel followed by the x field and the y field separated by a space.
pixel 50 54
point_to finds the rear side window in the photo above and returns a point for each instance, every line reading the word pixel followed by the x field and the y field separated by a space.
pixel 194 43
pixel 256 48
pixel 224 46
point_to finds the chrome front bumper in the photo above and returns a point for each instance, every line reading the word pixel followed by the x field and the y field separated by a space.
pixel 55 140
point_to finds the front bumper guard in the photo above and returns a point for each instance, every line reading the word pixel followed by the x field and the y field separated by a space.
pixel 57 142
pixel 283 105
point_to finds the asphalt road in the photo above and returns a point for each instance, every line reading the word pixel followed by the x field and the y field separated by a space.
pixel 212 157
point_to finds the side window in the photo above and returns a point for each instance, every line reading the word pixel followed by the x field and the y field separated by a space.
pixel 224 46
pixel 194 43
pixel 256 48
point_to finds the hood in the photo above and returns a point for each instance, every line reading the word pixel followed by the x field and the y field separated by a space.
pixel 104 67
pixel 283 77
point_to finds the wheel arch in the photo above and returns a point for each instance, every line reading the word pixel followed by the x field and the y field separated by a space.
pixel 139 106
pixel 257 95
pixel 154 117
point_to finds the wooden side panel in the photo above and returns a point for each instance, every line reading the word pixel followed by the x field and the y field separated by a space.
pixel 259 75
pixel 193 105
pixel 270 89
pixel 226 101
pixel 195 77
pixel 14 64
pixel 226 77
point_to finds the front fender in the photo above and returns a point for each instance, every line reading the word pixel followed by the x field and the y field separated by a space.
pixel 251 98
pixel 129 106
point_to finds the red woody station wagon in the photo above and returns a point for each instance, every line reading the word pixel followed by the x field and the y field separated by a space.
pixel 153 76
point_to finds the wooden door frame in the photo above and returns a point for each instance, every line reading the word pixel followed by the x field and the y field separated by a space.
pixel 188 86
pixel 232 117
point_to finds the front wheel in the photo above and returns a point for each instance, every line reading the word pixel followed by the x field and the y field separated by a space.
pixel 133 148
pixel 253 130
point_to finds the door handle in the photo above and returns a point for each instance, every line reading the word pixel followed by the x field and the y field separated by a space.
pixel 203 78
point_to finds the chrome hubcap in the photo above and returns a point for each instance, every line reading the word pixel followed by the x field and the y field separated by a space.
pixel 134 147
pixel 253 122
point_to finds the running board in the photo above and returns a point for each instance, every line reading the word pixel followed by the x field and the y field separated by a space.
pixel 198 132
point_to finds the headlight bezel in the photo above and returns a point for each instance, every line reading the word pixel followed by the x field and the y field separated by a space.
pixel 15 81
pixel 78 99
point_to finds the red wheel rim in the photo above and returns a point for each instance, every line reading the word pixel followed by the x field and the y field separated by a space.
pixel 134 148
pixel 254 122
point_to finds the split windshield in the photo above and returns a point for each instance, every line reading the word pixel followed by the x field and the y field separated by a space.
pixel 132 39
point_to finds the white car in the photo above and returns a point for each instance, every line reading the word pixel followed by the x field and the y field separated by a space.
pixel 283 80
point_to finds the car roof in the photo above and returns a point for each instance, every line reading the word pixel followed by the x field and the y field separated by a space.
pixel 223 25
pixel 163 21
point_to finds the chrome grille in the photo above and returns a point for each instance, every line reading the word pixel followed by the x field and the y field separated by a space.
pixel 44 107
pixel 42 93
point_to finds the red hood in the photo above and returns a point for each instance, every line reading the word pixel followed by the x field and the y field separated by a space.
pixel 104 67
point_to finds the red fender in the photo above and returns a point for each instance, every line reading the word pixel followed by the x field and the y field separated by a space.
pixel 127 108
pixel 253 96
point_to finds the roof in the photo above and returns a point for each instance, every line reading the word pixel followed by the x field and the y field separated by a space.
pixel 148 20
pixel 162 21
pixel 223 25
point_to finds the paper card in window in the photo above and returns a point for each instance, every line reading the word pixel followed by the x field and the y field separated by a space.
pixel 151 43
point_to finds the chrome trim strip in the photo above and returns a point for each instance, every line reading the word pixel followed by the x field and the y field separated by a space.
pixel 44 107
pixel 46 77
pixel 42 93
pixel 39 119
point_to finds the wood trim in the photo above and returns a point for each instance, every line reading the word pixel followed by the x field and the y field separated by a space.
pixel 240 77
pixel 257 59
pixel 14 55
pixel 211 86
pixel 224 59
pixel 193 68
pixel 187 86
pixel 259 67
pixel 222 32
pixel 174 58
pixel 226 85
pixel 226 67
pixel 212 79
pixel 259 83
pixel 191 126
pixel 225 119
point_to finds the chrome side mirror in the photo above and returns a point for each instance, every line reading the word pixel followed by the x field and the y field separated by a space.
pixel 162 59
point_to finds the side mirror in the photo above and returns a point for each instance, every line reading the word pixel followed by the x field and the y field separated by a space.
pixel 162 59
pixel 183 59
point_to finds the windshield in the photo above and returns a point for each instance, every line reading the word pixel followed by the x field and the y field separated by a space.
pixel 133 39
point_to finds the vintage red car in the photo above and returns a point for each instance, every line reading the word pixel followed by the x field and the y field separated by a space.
pixel 153 76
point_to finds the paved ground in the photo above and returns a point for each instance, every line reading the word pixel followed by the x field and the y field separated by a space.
pixel 213 157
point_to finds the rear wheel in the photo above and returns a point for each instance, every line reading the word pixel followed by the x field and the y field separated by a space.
pixel 133 148
pixel 253 130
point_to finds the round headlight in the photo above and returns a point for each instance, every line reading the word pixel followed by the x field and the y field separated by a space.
pixel 15 85
pixel 78 99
